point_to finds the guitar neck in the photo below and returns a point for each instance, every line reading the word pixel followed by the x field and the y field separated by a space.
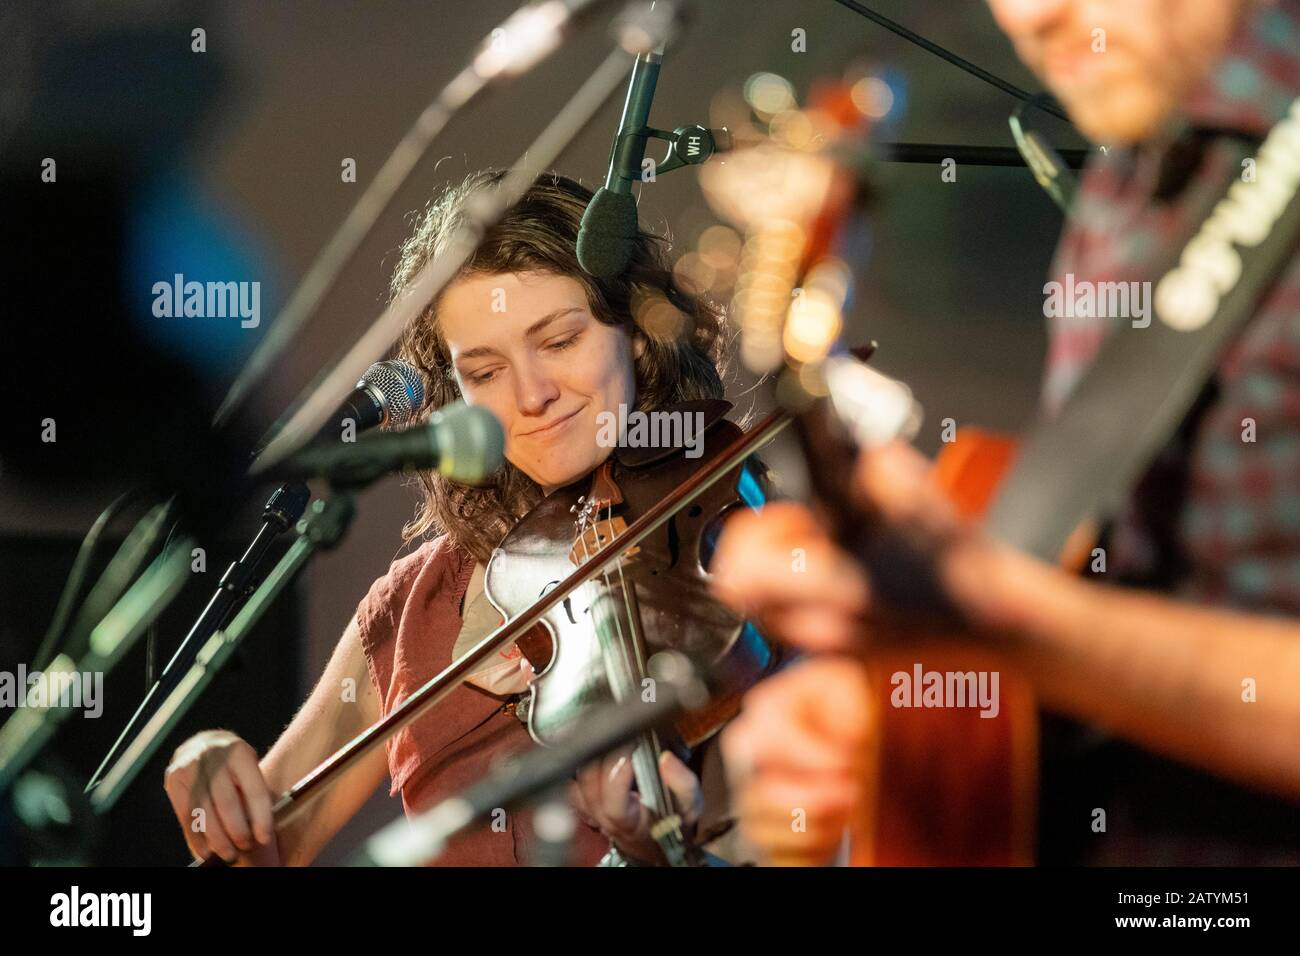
pixel 900 560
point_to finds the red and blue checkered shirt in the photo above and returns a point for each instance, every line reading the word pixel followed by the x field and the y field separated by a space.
pixel 1216 519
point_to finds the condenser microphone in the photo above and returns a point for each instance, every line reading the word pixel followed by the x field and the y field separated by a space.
pixel 608 233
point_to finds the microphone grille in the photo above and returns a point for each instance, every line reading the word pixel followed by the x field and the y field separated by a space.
pixel 608 233
pixel 400 388
pixel 470 440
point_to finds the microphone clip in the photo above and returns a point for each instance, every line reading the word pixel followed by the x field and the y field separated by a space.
pixel 687 146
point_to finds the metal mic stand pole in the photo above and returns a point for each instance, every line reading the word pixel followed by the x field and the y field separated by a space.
pixel 282 510
pixel 324 526
pixel 26 733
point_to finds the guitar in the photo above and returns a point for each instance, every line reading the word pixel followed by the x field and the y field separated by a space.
pixel 950 785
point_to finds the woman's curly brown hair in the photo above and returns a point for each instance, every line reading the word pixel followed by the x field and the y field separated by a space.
pixel 683 337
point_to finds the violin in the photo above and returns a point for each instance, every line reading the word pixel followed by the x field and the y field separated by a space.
pixel 592 647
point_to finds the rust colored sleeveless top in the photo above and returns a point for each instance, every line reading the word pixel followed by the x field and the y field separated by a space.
pixel 409 622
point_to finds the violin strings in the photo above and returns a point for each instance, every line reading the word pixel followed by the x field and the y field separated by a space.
pixel 622 640
pixel 629 649
pixel 631 657
pixel 625 650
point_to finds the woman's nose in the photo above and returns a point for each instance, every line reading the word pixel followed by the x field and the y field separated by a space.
pixel 535 389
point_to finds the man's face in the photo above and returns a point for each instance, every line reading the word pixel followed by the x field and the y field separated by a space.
pixel 1119 67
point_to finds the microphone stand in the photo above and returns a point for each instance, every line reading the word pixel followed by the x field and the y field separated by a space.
pixel 1047 164
pixel 31 727
pixel 325 525
pixel 1042 103
pixel 282 510
pixel 422 839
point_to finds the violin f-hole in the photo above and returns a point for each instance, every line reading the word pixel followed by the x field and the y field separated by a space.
pixel 568 602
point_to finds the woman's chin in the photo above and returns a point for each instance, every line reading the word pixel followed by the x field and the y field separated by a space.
pixel 550 480
pixel 579 462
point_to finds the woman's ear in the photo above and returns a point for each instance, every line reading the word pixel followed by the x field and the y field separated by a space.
pixel 638 344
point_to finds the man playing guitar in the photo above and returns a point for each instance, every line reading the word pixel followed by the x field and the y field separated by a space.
pixel 1199 659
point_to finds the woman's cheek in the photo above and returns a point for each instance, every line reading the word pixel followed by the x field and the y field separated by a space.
pixel 612 373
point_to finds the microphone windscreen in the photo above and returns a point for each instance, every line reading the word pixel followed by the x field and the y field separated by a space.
pixel 401 387
pixel 608 233
pixel 469 440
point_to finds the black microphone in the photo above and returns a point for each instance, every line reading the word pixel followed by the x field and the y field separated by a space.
pixel 609 226
pixel 463 442
pixel 389 393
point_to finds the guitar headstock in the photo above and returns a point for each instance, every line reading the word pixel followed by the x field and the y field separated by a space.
pixel 794 195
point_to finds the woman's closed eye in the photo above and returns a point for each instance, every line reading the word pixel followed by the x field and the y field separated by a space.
pixel 484 376
pixel 561 344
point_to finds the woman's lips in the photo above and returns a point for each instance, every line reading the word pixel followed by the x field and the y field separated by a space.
pixel 556 426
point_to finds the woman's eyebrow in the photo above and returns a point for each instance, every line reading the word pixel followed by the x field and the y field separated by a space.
pixel 549 318
pixel 532 330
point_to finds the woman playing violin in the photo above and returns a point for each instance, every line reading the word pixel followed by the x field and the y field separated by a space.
pixel 523 331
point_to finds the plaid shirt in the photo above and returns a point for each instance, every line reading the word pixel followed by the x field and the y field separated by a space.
pixel 1216 519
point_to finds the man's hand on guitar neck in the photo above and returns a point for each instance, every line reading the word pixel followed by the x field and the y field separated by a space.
pixel 780 568
pixel 1166 674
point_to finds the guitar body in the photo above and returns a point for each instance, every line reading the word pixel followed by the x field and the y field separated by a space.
pixel 951 787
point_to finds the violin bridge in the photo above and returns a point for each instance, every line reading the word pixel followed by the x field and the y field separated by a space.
pixel 594 535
